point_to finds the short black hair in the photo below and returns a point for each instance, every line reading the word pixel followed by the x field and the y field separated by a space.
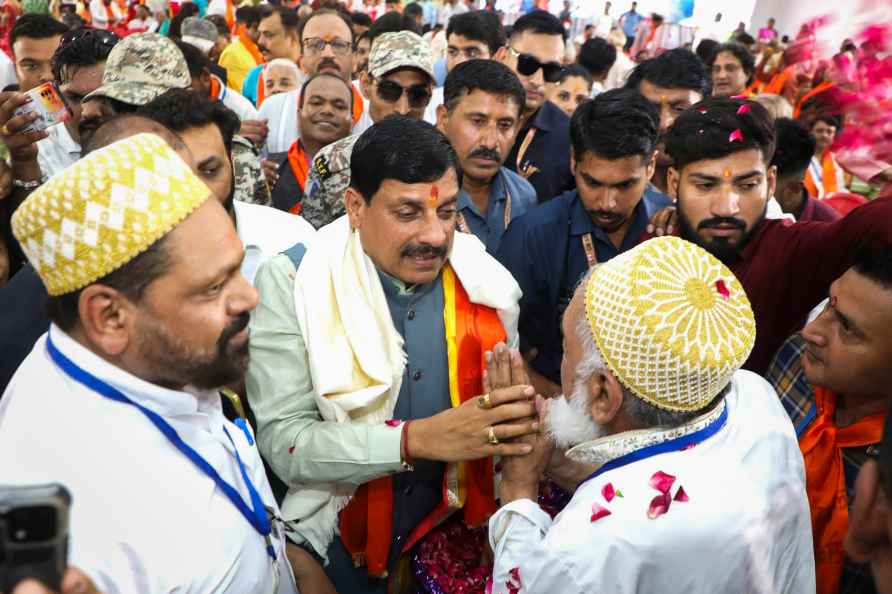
pixel 393 22
pixel 829 119
pixel 597 56
pixel 289 18
pixel 196 60
pixel 795 148
pixel 324 73
pixel 616 124
pixel 718 127
pixel 540 22
pixel 249 15
pixel 478 25
pixel 488 76
pixel 322 12
pixel 873 259
pixel 219 22
pixel 743 55
pixel 413 10
pixel 132 279
pixel 705 49
pixel 35 26
pixel 744 38
pixel 577 71
pixel 360 18
pixel 676 69
pixel 176 23
pixel 405 149
pixel 364 36
pixel 81 47
pixel 181 109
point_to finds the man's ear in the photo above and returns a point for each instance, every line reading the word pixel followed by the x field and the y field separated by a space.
pixel 673 179
pixel 355 205
pixel 652 166
pixel 606 397
pixel 572 161
pixel 501 54
pixel 365 81
pixel 771 177
pixel 105 318
pixel 442 118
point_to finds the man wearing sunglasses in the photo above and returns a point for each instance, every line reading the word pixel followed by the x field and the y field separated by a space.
pixel 326 38
pixel 399 81
pixel 541 153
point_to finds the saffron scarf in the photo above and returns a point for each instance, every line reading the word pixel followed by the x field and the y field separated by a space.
pixel 821 445
pixel 829 180
pixel 300 166
pixel 249 44
pixel 366 523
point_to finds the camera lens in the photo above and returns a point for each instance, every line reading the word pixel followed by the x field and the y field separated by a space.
pixel 32 524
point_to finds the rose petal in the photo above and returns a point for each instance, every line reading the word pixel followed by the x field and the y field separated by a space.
pixel 702 110
pixel 608 492
pixel 512 589
pixel 722 289
pixel 681 495
pixel 745 108
pixel 488 585
pixel 659 506
pixel 393 422
pixel 737 135
pixel 514 574
pixel 738 97
pixel 661 481
pixel 599 511
pixel 291 450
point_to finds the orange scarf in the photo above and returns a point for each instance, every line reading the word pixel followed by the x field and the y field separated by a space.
pixel 821 446
pixel 230 15
pixel 777 83
pixel 366 523
pixel 828 178
pixel 249 45
pixel 358 105
pixel 300 166
pixel 261 88
pixel 215 87
pixel 815 91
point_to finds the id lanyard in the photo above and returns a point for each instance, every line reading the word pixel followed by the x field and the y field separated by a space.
pixel 463 224
pixel 255 515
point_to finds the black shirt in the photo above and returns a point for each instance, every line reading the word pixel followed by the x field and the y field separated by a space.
pixel 546 161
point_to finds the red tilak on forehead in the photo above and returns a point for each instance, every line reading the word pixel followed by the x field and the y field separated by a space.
pixel 435 195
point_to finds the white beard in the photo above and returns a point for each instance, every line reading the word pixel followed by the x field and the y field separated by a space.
pixel 569 420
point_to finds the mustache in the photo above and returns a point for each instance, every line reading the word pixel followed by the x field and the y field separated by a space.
pixel 424 251
pixel 486 153
pixel 604 214
pixel 233 328
pixel 327 62
pixel 716 221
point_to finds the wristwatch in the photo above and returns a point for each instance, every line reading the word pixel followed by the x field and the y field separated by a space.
pixel 29 184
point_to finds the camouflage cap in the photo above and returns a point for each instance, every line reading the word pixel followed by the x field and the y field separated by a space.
pixel 327 181
pixel 199 32
pixel 402 49
pixel 141 67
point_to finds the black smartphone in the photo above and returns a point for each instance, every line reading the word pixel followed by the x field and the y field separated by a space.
pixel 33 534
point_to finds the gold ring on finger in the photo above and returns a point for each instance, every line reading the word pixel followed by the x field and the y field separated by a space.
pixel 484 401
pixel 492 436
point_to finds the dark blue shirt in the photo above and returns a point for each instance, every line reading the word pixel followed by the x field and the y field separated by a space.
pixel 547 158
pixel 544 251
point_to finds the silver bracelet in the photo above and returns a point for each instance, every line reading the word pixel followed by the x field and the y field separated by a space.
pixel 28 185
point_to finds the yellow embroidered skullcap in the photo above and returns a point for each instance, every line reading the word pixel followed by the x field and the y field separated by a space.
pixel 672 323
pixel 95 216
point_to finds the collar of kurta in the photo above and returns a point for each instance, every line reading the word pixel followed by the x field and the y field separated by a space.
pixel 601 451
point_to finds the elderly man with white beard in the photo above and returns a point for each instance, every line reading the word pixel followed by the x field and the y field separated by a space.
pixel 694 482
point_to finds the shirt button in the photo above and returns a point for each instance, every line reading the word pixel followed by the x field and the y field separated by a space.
pixel 416 376
pixel 411 314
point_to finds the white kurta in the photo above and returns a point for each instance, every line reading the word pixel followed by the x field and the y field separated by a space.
pixel 744 530
pixel 144 519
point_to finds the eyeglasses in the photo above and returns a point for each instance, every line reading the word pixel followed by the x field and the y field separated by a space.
pixel 419 95
pixel 528 65
pixel 316 45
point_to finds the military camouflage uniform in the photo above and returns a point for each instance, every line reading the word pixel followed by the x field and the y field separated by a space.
pixel 329 174
pixel 141 67
pixel 327 181
pixel 250 183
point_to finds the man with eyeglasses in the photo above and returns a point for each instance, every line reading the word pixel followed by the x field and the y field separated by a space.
pixel 278 39
pixel 541 152
pixel 326 38
pixel 475 35
pixel 399 81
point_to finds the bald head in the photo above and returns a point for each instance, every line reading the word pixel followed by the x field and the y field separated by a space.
pixel 127 125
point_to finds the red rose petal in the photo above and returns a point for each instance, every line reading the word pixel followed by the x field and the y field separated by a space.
pixel 608 492
pixel 291 450
pixel 702 110
pixel 393 422
pixel 745 108
pixel 737 135
pixel 514 574
pixel 659 506
pixel 661 481
pixel 722 289
pixel 599 511
pixel 488 585
pixel 681 495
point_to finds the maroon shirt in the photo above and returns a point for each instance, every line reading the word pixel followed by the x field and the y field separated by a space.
pixel 815 210
pixel 786 269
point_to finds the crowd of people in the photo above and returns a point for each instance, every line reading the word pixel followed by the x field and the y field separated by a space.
pixel 355 298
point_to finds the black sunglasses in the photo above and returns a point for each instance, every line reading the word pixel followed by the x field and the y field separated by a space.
pixel 99 36
pixel 528 65
pixel 419 95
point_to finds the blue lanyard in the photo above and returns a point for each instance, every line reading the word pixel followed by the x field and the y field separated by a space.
pixel 673 445
pixel 256 515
